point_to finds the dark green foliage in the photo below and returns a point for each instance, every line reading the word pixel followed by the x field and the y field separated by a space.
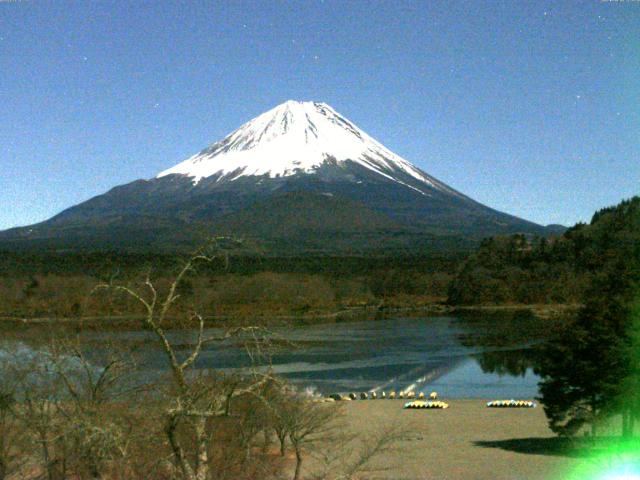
pixel 581 374
pixel 7 400
pixel 31 287
pixel 591 370
pixel 629 399
pixel 518 269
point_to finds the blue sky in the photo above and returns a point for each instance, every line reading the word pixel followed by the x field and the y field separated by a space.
pixel 531 107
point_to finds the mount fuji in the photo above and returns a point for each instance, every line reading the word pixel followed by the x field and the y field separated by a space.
pixel 297 178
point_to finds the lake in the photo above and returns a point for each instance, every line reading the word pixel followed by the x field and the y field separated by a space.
pixel 459 358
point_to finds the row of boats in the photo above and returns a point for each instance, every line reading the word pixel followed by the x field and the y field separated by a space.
pixel 422 404
pixel 493 404
pixel 511 404
pixel 420 400
pixel 383 395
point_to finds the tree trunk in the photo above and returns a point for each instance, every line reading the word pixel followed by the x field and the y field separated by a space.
pixel 95 474
pixel 227 405
pixel 47 457
pixel 247 453
pixel 266 433
pixel 296 474
pixel 202 467
pixel 180 460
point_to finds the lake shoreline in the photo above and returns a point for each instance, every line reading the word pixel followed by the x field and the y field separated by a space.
pixel 352 314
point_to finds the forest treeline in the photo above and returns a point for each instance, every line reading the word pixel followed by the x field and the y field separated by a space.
pixel 502 271
pixel 60 285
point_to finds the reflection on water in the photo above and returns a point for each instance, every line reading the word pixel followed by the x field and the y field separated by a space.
pixel 516 362
pixel 470 380
pixel 457 357
pixel 454 356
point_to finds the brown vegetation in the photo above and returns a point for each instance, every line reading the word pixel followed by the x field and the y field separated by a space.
pixel 227 295
pixel 69 412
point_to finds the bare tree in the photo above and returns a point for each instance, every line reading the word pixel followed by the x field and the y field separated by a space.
pixel 194 400
pixel 305 423
pixel 61 403
pixel 8 430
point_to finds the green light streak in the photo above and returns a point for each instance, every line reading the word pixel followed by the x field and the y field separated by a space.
pixel 620 460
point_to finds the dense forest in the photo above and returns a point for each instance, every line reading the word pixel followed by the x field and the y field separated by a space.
pixel 557 270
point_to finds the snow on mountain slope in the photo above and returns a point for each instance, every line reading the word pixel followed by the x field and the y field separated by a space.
pixel 298 137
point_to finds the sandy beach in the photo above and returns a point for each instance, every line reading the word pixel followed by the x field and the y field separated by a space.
pixel 466 441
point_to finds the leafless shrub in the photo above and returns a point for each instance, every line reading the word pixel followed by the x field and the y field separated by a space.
pixel 348 457
pixel 304 423
pixel 9 430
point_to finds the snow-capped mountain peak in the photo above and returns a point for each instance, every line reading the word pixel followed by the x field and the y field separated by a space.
pixel 293 138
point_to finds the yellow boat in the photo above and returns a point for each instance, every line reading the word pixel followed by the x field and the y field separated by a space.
pixel 428 405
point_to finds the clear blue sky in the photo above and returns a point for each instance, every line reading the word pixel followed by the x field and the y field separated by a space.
pixel 531 107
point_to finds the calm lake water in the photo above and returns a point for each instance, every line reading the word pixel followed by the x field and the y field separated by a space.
pixel 481 358
pixel 425 354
